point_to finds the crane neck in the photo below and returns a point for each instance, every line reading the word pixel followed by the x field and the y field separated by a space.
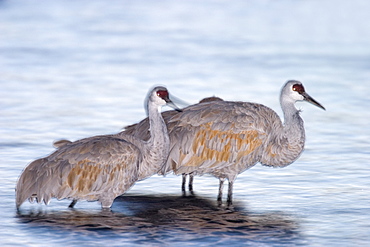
pixel 287 143
pixel 158 128
pixel 291 114
pixel 293 123
pixel 157 148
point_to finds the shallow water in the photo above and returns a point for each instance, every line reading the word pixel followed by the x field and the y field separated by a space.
pixel 76 69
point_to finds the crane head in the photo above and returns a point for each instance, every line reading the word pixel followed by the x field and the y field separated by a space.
pixel 161 96
pixel 295 90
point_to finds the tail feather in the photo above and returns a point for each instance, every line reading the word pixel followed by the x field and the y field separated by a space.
pixel 30 183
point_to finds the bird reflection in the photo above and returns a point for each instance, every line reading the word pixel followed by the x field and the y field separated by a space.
pixel 189 217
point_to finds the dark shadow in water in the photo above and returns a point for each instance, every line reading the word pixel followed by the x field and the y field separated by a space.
pixel 165 219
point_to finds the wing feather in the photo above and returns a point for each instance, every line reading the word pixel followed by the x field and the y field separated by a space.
pixel 92 169
pixel 212 136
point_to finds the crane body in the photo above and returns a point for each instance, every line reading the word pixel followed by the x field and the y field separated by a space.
pixel 99 167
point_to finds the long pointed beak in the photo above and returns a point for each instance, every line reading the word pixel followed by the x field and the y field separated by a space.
pixel 308 98
pixel 171 104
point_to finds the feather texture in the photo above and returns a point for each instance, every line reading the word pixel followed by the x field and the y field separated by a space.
pixel 224 138
pixel 100 167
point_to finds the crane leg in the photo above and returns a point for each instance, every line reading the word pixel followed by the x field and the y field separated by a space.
pixel 220 188
pixel 183 183
pixel 73 203
pixel 230 193
pixel 106 203
pixel 191 178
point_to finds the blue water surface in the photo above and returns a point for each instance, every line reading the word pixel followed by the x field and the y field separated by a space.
pixel 73 69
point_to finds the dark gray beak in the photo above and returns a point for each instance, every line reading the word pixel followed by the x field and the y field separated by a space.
pixel 308 98
pixel 171 104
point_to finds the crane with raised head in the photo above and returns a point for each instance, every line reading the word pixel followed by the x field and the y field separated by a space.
pixel 225 138
pixel 99 167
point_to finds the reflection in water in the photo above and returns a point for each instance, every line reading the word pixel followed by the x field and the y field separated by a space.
pixel 171 218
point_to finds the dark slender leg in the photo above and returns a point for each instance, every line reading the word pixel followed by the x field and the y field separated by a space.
pixel 183 184
pixel 73 203
pixel 191 178
pixel 220 188
pixel 230 193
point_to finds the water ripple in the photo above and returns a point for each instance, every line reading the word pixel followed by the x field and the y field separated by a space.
pixel 169 219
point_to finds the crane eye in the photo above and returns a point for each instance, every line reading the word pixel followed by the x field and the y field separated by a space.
pixel 162 94
pixel 298 88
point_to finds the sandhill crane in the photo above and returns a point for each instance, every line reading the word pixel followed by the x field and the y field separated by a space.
pixel 100 167
pixel 141 130
pixel 225 138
